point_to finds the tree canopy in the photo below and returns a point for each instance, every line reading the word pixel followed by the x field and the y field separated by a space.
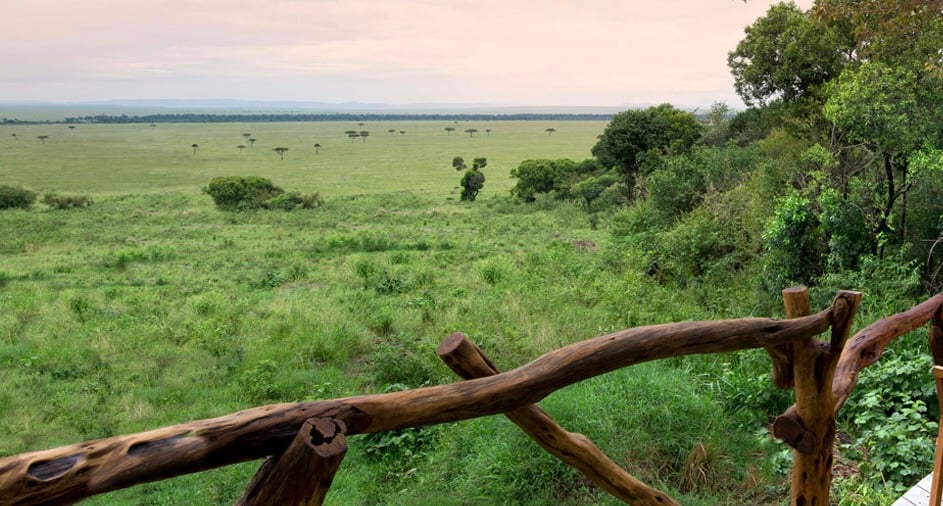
pixel 633 133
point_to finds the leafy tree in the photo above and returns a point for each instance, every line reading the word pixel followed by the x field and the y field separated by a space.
pixel 488 132
pixel 550 130
pixel 281 151
pixel 458 163
pixel 479 163
pixel 471 184
pixel 894 111
pixel 14 136
pixel 785 55
pixel 402 132
pixel 71 127
pixel 42 138
pixel 471 131
pixel 632 134
pixel 449 130
pixel 907 32
pixel 195 146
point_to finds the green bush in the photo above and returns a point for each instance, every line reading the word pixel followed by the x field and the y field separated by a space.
pixel 13 197
pixel 293 200
pixel 794 247
pixel 57 201
pixel 234 193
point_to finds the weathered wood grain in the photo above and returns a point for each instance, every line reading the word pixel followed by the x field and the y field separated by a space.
pixel 814 365
pixel 303 474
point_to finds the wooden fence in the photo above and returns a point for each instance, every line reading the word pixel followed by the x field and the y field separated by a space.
pixel 304 443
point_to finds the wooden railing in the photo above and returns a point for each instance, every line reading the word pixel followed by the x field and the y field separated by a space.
pixel 304 443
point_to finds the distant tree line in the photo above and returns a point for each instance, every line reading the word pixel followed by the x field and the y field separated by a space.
pixel 272 118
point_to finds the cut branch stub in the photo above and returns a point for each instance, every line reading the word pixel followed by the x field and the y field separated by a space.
pixel 576 450
pixel 303 474
pixel 936 337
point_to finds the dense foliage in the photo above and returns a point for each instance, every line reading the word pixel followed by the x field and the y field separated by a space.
pixel 13 197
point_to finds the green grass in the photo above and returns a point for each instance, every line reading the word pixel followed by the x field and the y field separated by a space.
pixel 137 158
pixel 152 308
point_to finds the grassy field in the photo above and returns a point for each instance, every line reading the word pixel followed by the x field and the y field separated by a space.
pixel 152 307
pixel 121 159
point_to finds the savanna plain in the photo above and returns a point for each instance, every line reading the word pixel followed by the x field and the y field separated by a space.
pixel 152 307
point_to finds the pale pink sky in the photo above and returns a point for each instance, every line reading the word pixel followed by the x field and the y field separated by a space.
pixel 533 52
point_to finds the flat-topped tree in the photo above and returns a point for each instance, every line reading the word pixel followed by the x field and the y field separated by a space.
pixel 550 130
pixel 471 131
pixel 364 134
pixel 317 148
pixel 42 138
pixel 195 147
pixel 246 136
pixel 488 132
pixel 241 147
pixel 449 130
pixel 281 151
pixel 392 131
pixel 251 142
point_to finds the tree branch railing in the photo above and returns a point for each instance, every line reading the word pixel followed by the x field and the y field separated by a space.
pixel 304 443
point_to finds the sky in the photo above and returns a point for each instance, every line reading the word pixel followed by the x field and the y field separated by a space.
pixel 497 52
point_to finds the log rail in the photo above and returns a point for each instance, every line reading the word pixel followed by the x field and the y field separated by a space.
pixel 310 438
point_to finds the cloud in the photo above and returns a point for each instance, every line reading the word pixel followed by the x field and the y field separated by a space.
pixel 553 51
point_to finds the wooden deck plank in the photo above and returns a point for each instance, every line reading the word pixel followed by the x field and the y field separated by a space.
pixel 919 495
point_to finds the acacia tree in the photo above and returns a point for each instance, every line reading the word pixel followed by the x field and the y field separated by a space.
pixel 550 131
pixel 251 142
pixel 488 132
pixel 241 147
pixel 246 136
pixel 281 151
pixel 364 134
pixel 471 133
pixel 42 138
pixel 317 148
pixel 195 146
pixel 449 130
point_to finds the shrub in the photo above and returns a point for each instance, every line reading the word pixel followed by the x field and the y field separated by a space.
pixel 57 201
pixel 293 200
pixel 13 197
pixel 234 193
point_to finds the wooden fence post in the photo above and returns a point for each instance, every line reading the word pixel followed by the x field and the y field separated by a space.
pixel 810 428
pixel 576 450
pixel 304 473
pixel 936 349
